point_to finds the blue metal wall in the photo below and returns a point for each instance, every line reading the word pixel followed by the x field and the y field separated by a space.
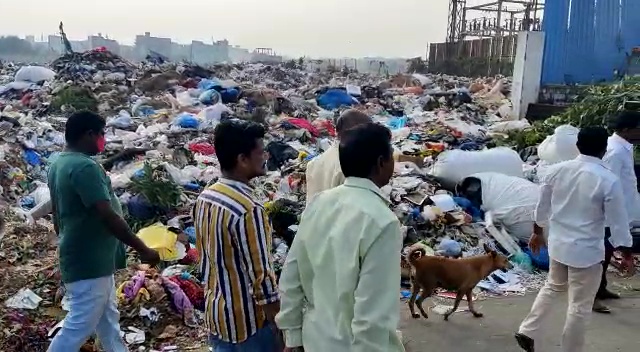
pixel 586 40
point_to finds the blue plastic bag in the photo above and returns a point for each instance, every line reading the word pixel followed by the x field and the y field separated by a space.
pixel 397 123
pixel 186 120
pixel 540 260
pixel 230 95
pixel 32 157
pixel 210 97
pixel 335 98
pixel 207 84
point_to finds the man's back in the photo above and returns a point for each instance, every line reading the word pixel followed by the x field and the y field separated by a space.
pixel 324 173
pixel 337 232
pixel 87 249
pixel 581 191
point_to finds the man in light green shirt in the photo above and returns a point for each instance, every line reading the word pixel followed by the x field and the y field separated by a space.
pixel 340 284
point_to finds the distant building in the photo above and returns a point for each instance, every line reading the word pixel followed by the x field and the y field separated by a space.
pixel 204 54
pixel 238 54
pixel 97 41
pixel 265 55
pixel 146 43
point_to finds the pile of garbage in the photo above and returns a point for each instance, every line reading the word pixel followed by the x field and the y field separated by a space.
pixel 160 155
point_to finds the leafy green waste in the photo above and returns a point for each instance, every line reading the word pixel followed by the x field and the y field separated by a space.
pixel 77 98
pixel 157 187
pixel 597 104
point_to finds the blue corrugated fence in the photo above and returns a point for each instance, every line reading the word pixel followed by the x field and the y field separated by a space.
pixel 586 40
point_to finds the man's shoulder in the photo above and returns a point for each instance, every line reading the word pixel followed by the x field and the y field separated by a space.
pixel 73 161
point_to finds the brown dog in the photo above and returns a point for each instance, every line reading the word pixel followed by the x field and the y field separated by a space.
pixel 460 275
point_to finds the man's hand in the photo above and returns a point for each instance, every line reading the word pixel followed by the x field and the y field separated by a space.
pixel 628 264
pixel 536 242
pixel 149 256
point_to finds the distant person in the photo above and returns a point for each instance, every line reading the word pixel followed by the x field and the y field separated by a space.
pixel 324 171
pixel 577 197
pixel 619 159
pixel 233 237
pixel 340 281
pixel 88 219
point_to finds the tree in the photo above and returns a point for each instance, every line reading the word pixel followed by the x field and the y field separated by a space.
pixel 15 45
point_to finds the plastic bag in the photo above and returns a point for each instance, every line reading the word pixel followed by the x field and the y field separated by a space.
pixel 210 97
pixel 560 146
pixel 123 120
pixel 506 126
pixel 335 98
pixel 34 74
pixel 159 237
pixel 186 120
pixel 454 165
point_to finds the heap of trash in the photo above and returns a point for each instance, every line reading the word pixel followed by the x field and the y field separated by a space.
pixel 160 155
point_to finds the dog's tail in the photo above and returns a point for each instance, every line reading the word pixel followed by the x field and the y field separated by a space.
pixel 416 252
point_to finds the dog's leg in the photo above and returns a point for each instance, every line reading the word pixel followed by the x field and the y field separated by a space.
pixel 426 292
pixel 415 289
pixel 455 305
pixel 470 302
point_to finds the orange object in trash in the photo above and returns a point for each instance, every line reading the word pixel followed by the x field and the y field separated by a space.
pixel 438 147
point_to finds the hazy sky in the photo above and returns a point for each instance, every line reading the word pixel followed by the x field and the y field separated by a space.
pixel 355 28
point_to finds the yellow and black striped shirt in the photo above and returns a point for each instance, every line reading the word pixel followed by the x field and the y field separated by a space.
pixel 234 241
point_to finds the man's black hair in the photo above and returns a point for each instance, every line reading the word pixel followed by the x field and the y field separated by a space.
pixel 232 138
pixel 361 147
pixel 625 120
pixel 80 123
pixel 592 141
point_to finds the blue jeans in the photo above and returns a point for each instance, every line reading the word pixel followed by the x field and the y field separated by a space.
pixel 263 341
pixel 92 309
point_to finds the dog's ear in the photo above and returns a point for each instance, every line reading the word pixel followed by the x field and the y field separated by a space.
pixel 494 254
pixel 487 249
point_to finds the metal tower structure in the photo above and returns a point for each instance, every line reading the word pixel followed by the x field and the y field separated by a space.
pixel 457 20
pixel 472 19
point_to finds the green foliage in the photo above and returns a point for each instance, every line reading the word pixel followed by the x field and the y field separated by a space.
pixel 596 105
pixel 77 98
pixel 157 187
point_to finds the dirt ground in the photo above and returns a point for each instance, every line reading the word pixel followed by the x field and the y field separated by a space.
pixel 502 316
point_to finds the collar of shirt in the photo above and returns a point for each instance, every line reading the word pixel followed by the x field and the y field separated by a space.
pixel 365 183
pixel 590 159
pixel 243 186
pixel 622 142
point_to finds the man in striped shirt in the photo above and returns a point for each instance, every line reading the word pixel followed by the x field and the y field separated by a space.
pixel 234 242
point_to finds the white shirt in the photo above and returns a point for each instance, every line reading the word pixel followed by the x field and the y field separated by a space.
pixel 619 160
pixel 324 172
pixel 339 285
pixel 576 198
pixel 510 199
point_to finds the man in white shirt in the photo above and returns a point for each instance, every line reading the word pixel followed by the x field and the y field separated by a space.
pixel 340 283
pixel 324 171
pixel 577 197
pixel 619 159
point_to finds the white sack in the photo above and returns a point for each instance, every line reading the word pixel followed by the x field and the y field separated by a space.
pixel 34 74
pixel 560 146
pixel 454 165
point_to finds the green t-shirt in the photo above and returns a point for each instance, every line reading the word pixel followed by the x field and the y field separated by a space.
pixel 87 248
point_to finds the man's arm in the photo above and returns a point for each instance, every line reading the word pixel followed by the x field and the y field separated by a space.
pixel 91 185
pixel 614 162
pixel 289 319
pixel 252 239
pixel 616 216
pixel 376 310
pixel 543 207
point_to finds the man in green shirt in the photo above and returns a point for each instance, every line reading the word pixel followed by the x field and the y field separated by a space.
pixel 88 219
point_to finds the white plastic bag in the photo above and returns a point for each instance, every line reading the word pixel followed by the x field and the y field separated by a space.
pixel 34 74
pixel 454 165
pixel 560 146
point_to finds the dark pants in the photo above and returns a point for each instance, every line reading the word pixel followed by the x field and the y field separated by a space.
pixel 608 254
